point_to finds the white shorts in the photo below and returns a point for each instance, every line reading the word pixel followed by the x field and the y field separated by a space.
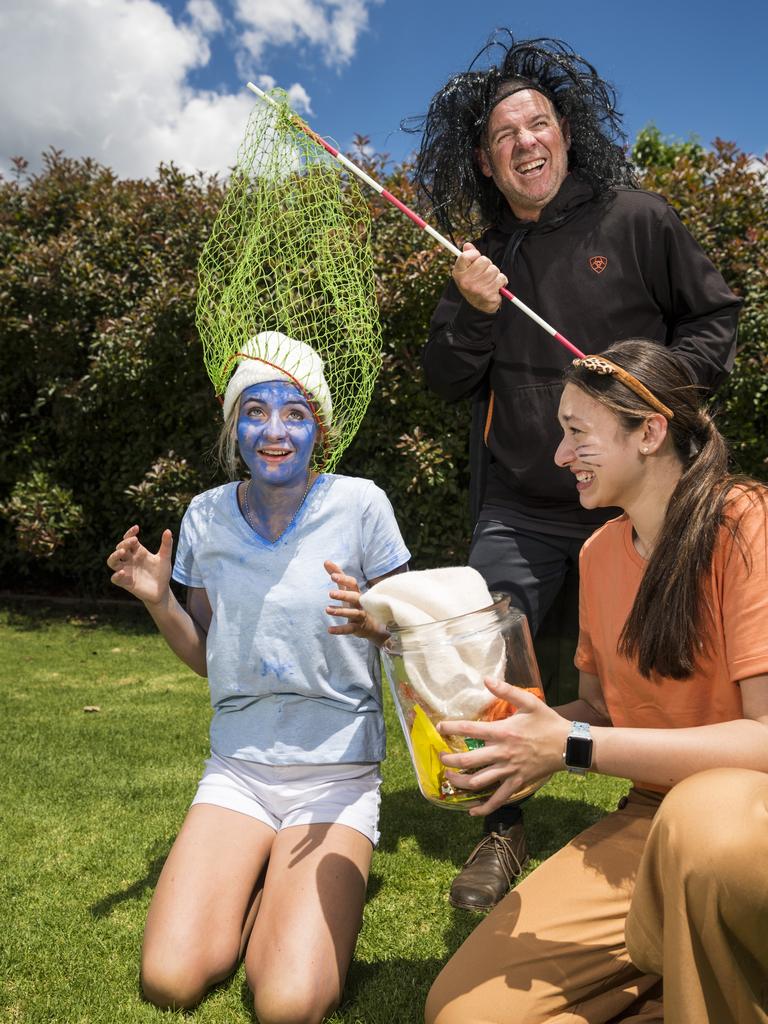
pixel 296 794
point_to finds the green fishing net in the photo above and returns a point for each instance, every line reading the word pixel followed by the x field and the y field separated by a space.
pixel 290 252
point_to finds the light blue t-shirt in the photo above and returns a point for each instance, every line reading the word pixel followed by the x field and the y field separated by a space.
pixel 283 690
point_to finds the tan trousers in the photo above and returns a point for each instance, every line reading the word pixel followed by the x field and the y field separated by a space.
pixel 675 889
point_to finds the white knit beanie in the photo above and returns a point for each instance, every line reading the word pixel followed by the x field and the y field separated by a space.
pixel 274 356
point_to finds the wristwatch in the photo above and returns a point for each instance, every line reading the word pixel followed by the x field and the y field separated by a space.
pixel 577 755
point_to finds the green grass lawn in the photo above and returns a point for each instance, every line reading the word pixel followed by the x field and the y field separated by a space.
pixel 91 802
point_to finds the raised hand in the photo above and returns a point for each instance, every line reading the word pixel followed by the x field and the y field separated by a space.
pixel 137 570
pixel 358 623
pixel 478 279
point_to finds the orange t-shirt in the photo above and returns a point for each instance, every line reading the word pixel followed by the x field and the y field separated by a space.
pixel 611 570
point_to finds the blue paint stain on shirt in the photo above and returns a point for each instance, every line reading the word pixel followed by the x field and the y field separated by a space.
pixel 268 645
pixel 280 670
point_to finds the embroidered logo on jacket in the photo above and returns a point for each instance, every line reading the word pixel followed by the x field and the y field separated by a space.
pixel 598 263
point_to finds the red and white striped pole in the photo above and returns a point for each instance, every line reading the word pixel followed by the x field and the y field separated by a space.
pixel 446 243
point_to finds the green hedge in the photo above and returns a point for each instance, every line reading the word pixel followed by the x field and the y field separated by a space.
pixel 106 413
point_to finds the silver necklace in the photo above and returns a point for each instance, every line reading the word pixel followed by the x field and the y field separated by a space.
pixel 249 517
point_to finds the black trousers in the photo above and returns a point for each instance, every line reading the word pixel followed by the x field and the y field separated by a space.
pixel 540 572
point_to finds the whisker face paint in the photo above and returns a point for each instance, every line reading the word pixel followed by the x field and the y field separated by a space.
pixel 598 451
pixel 587 453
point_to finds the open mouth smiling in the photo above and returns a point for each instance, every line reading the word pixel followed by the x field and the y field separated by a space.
pixel 584 478
pixel 275 453
pixel 531 166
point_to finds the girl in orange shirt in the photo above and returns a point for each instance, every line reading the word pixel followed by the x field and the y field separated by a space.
pixel 661 907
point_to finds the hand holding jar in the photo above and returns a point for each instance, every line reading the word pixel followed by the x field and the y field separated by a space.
pixel 436 660
pixel 512 753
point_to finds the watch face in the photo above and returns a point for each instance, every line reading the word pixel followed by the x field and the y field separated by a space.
pixel 578 752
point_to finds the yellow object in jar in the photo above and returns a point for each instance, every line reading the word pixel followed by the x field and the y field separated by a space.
pixel 427 745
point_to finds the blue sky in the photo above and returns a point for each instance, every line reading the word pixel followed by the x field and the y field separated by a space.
pixel 133 82
pixel 689 67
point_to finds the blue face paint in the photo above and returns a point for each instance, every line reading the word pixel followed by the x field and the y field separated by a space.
pixel 275 433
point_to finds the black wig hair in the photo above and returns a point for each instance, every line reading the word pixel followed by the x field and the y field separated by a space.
pixel 447 172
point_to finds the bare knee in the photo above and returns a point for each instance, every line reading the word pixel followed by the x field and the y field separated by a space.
pixel 170 990
pixel 174 983
pixel 299 1002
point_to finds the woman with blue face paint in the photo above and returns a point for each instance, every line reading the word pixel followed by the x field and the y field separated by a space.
pixel 271 863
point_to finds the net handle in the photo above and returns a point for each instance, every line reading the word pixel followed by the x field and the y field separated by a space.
pixel 394 201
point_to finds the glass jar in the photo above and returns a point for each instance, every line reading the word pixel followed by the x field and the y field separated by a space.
pixel 436 671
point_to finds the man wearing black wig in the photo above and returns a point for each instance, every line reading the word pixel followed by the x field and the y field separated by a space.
pixel 534 145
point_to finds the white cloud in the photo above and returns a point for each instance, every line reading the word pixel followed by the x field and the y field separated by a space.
pixel 298 97
pixel 108 79
pixel 111 78
pixel 331 25
pixel 206 15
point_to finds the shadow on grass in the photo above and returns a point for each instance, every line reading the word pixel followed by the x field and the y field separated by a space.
pixel 29 612
pixel 389 990
pixel 396 989
pixel 378 993
pixel 28 618
pixel 550 822
pixel 439 834
pixel 105 906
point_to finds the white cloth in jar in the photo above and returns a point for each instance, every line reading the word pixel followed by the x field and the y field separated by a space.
pixel 448 675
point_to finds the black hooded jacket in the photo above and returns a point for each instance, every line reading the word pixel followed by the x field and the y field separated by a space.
pixel 599 271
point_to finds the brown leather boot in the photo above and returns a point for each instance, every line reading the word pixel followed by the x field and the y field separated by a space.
pixel 491 869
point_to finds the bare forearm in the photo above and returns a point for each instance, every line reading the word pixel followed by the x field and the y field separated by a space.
pixel 665 756
pixel 182 634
